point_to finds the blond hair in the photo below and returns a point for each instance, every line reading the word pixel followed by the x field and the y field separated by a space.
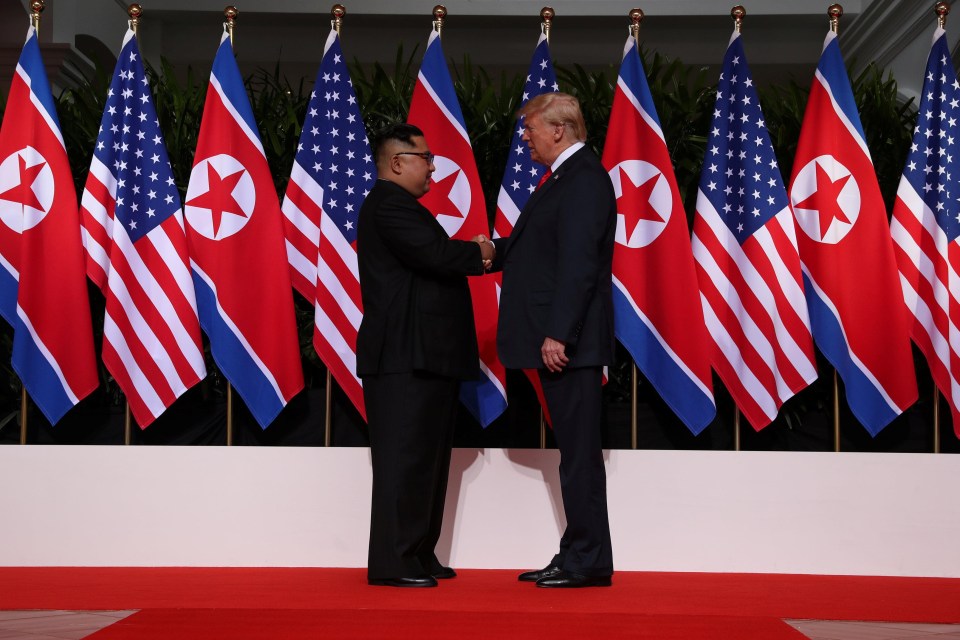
pixel 557 108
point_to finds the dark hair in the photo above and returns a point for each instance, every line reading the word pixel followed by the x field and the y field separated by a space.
pixel 400 131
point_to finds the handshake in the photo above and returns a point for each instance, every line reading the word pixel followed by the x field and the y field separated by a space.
pixel 487 250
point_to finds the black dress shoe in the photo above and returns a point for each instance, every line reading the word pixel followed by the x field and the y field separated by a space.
pixel 422 581
pixel 570 580
pixel 532 576
pixel 444 573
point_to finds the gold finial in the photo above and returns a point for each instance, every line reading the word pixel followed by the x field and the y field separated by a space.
pixel 636 17
pixel 738 13
pixel 835 12
pixel 546 15
pixel 134 11
pixel 230 12
pixel 439 13
pixel 36 8
pixel 337 11
pixel 941 9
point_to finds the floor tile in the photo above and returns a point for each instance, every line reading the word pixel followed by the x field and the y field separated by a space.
pixel 864 630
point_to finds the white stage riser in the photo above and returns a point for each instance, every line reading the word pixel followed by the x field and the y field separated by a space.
pixel 757 512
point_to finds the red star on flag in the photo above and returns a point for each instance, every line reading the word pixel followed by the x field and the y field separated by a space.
pixel 23 193
pixel 219 196
pixel 826 200
pixel 441 200
pixel 634 201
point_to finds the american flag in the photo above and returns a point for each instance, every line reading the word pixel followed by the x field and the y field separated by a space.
pixel 744 244
pixel 136 250
pixel 522 175
pixel 332 173
pixel 926 224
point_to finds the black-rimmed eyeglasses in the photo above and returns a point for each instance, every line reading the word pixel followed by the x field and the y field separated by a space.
pixel 426 155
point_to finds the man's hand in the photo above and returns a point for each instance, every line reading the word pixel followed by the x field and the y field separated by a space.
pixel 487 250
pixel 554 355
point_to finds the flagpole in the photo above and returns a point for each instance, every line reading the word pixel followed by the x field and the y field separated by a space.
pixel 636 17
pixel 134 11
pixel 337 12
pixel 834 12
pixel 738 13
pixel 439 13
pixel 36 7
pixel 941 9
pixel 230 12
pixel 546 16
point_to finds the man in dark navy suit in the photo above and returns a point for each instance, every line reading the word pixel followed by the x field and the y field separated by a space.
pixel 556 315
pixel 415 344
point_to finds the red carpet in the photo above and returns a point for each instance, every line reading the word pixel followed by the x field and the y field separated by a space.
pixel 300 603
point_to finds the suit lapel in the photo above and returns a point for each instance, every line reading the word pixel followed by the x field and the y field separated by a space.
pixel 542 191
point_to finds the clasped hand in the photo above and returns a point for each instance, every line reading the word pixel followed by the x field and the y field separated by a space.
pixel 487 250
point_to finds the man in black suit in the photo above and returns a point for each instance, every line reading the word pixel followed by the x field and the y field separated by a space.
pixel 415 343
pixel 556 316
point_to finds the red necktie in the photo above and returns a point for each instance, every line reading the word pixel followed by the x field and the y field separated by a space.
pixel 544 178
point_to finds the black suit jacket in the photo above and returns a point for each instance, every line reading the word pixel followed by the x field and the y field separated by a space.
pixel 557 269
pixel 417 311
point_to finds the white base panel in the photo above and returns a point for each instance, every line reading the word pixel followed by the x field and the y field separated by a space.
pixel 755 512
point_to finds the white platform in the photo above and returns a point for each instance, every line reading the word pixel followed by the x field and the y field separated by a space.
pixel 758 512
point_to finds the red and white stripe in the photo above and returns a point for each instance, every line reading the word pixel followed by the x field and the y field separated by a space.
pixel 323 268
pixel 151 340
pixel 755 311
pixel 929 265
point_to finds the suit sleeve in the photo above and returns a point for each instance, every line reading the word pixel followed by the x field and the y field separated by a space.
pixel 582 226
pixel 419 242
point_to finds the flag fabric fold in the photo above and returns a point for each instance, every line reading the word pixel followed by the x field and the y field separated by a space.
pixel 332 172
pixel 657 311
pixel 136 249
pixel 745 248
pixel 926 224
pixel 522 175
pixel 849 267
pixel 236 249
pixel 43 292
pixel 456 199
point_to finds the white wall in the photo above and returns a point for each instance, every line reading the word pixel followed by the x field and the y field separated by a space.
pixel 822 513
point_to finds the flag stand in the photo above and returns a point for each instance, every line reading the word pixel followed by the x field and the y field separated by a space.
pixel 546 15
pixel 230 13
pixel 36 7
pixel 23 415
pixel 633 406
pixel 941 9
pixel 835 11
pixel 736 429
pixel 636 17
pixel 337 12
pixel 836 411
pixel 936 419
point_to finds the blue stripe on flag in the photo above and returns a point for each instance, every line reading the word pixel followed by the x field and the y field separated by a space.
pixel 228 75
pixel 866 402
pixel 631 70
pixel 41 381
pixel 32 63
pixel 9 286
pixel 234 361
pixel 682 395
pixel 833 70
pixel 434 70
pixel 483 400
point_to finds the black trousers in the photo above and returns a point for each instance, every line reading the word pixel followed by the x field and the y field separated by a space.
pixel 574 400
pixel 411 418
